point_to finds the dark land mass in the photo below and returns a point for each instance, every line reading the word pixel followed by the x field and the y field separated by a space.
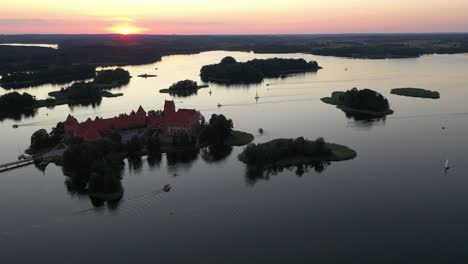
pixel 229 71
pixel 55 74
pixel 104 50
pixel 363 102
pixel 416 92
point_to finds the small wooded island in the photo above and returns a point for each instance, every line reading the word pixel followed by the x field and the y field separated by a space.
pixel 291 152
pixel 183 88
pixel 92 92
pixel 229 71
pixel 416 92
pixel 365 101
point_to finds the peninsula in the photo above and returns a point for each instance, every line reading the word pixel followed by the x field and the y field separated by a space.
pixel 229 71
pixel 366 101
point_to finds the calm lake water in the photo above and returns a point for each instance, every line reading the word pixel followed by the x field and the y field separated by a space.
pixel 392 204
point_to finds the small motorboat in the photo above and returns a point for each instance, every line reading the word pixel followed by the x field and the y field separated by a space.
pixel 167 187
pixel 22 156
pixel 260 131
pixel 15 126
pixel 220 105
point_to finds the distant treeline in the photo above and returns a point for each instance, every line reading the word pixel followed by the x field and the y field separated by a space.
pixel 53 74
pixel 104 50
pixel 254 71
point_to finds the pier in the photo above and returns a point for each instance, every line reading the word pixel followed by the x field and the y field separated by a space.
pixel 16 164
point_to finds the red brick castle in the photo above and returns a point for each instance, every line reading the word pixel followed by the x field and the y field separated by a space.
pixel 170 122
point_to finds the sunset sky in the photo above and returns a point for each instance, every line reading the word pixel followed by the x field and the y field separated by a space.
pixel 232 16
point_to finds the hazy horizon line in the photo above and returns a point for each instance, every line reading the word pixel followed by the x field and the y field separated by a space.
pixel 240 34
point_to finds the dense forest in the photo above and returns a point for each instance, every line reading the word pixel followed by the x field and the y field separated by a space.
pixel 232 72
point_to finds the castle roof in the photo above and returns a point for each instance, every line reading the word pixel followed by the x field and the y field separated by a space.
pixel 71 121
pixel 141 111
pixel 182 116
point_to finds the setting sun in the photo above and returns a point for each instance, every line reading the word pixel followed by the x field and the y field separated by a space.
pixel 125 31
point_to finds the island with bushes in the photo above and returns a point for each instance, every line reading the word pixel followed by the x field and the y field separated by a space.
pixel 365 101
pixel 416 92
pixel 229 71
pixel 292 152
pixel 183 88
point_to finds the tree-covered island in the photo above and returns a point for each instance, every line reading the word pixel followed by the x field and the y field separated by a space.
pixel 183 88
pixel 416 92
pixel 229 71
pixel 363 101
pixel 282 152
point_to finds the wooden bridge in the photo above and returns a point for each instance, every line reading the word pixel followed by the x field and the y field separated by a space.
pixel 17 164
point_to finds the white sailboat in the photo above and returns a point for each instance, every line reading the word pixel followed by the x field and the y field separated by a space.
pixel 447 165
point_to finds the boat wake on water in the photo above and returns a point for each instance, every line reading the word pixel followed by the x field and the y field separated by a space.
pixel 134 206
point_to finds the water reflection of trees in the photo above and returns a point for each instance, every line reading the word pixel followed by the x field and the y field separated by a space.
pixel 183 93
pixel 107 189
pixel 216 153
pixel 254 173
pixel 365 121
pixel 183 158
pixel 18 116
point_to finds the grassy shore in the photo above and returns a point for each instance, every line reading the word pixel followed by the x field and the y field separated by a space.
pixel 239 138
pixel 416 92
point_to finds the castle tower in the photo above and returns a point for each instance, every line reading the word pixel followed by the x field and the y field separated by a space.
pixel 169 107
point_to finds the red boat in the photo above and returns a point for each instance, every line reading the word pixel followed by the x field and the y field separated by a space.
pixel 167 187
